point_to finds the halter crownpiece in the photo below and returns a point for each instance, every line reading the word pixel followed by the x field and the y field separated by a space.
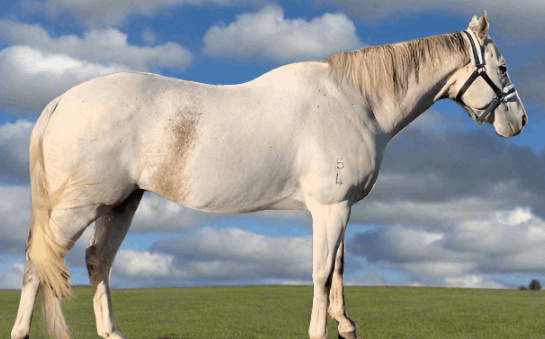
pixel 502 95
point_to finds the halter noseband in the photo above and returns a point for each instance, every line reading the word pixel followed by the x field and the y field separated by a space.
pixel 502 95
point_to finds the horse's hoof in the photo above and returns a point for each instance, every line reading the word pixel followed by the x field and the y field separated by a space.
pixel 114 335
pixel 16 334
pixel 349 335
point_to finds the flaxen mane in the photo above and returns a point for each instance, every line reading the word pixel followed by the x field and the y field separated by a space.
pixel 391 67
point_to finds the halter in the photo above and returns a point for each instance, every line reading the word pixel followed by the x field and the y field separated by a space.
pixel 501 95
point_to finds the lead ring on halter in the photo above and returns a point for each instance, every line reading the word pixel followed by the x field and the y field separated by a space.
pixel 502 95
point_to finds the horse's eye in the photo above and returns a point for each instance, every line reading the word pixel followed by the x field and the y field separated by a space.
pixel 503 69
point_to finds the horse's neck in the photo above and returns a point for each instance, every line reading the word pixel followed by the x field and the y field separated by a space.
pixel 394 114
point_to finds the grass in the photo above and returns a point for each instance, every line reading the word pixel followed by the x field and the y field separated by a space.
pixel 284 312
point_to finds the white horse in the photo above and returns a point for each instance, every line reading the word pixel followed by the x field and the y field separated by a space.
pixel 308 136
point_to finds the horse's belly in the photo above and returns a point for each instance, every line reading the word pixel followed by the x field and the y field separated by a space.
pixel 224 177
pixel 237 181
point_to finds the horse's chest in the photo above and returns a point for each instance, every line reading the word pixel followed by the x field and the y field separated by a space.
pixel 356 171
pixel 357 179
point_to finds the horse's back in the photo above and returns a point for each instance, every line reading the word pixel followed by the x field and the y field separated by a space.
pixel 207 147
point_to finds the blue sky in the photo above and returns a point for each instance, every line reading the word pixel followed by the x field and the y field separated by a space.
pixel 454 205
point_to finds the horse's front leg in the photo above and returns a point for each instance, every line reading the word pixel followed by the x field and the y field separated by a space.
pixel 337 311
pixel 328 225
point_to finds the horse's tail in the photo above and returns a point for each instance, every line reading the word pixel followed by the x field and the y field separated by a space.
pixel 43 250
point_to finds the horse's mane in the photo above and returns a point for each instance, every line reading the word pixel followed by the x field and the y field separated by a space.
pixel 387 69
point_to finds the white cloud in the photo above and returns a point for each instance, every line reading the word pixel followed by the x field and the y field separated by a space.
pixel 239 245
pixel 472 281
pixel 38 67
pixel 376 9
pixel 460 253
pixel 114 12
pixel 209 256
pixel 504 234
pixel 14 143
pixel 30 78
pixel 149 37
pixel 414 211
pixel 144 264
pixel 14 218
pixel 156 214
pixel 267 35
pixel 107 46
pixel 448 175
pixel 437 270
pixel 13 278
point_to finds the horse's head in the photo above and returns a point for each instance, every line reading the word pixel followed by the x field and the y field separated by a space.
pixel 483 86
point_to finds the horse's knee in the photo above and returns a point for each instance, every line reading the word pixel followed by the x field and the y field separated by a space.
pixel 322 278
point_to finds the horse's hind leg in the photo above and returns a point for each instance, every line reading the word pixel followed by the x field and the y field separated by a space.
pixel 337 311
pixel 31 283
pixel 65 226
pixel 110 231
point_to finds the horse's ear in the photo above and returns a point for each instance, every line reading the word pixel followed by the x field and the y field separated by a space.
pixel 480 27
pixel 473 22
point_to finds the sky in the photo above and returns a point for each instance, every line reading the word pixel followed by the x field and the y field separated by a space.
pixel 455 205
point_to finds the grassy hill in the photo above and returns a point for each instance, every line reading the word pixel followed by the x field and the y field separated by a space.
pixel 284 312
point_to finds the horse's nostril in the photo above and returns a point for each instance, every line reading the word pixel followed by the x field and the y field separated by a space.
pixel 524 120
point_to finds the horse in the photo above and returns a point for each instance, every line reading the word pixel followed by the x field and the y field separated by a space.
pixel 307 136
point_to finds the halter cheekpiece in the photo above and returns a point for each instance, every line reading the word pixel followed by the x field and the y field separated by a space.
pixel 502 95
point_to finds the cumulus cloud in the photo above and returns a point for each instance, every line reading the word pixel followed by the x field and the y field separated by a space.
pixel 145 265
pixel 14 143
pixel 459 253
pixel 15 211
pixel 107 46
pixel 267 35
pixel 13 277
pixel 15 219
pixel 148 36
pixel 421 212
pixel 108 12
pixel 156 214
pixel 516 17
pixel 218 256
pixel 530 77
pixel 38 67
pixel 473 281
pixel 433 177
pixel 30 78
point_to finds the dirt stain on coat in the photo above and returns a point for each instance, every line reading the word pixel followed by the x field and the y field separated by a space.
pixel 169 180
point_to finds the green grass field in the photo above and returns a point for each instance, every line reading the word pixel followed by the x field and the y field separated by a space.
pixel 284 312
